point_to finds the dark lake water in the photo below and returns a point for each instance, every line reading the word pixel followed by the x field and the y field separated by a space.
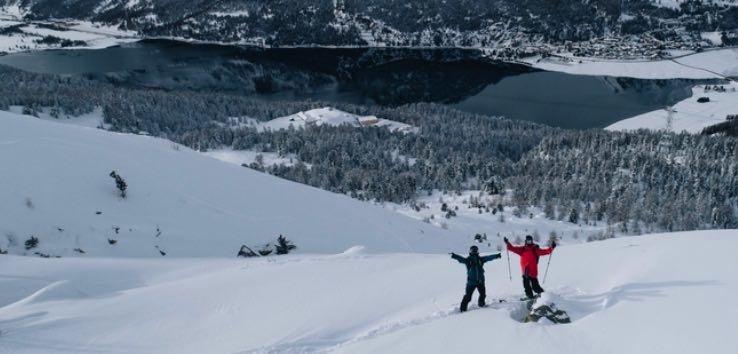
pixel 458 78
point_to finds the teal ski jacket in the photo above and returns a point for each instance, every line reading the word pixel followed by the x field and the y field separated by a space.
pixel 475 266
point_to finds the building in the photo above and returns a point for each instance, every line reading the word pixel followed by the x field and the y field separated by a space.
pixel 368 121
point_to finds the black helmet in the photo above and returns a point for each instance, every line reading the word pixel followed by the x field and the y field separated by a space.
pixel 528 240
pixel 473 250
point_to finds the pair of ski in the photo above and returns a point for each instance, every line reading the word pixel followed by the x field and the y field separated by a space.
pixel 523 299
pixel 527 300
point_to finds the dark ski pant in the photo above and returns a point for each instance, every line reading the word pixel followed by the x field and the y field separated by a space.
pixel 468 295
pixel 531 284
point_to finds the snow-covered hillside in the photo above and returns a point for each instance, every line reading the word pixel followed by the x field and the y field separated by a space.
pixel 670 293
pixel 689 115
pixel 55 187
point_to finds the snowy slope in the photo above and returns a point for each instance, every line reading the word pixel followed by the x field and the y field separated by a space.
pixel 55 181
pixel 670 293
pixel 688 115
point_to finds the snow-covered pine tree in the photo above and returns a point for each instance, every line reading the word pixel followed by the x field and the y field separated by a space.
pixel 120 183
pixel 283 245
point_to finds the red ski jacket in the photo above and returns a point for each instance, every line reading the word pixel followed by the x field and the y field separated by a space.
pixel 529 257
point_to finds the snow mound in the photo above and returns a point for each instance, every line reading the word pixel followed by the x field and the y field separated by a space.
pixel 354 251
pixel 544 310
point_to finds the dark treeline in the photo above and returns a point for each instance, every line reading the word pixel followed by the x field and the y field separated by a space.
pixel 728 127
pixel 66 95
pixel 638 181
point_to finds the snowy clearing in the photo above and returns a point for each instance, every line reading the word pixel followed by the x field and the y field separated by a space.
pixel 241 157
pixel 667 293
pixel 688 115
pixel 331 116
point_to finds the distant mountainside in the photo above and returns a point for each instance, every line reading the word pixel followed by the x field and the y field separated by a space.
pixel 457 23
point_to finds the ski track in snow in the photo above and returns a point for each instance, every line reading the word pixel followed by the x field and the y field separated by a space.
pixel 514 307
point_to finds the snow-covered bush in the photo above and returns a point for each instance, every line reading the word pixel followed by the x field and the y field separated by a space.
pixel 247 252
pixel 29 203
pixel 120 183
pixel 31 243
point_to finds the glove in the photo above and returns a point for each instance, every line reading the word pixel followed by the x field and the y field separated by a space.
pixel 553 245
pixel 452 254
pixel 505 239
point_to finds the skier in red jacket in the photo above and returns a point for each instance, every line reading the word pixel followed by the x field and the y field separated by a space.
pixel 529 254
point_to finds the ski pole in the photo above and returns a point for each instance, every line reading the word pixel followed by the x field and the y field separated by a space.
pixel 509 272
pixel 549 263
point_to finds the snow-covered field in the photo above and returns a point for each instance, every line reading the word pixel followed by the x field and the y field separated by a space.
pixel 329 116
pixel 709 64
pixel 55 187
pixel 28 34
pixel 670 293
pixel 688 115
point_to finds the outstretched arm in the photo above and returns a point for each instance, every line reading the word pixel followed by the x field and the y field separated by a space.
pixel 491 257
pixel 458 258
pixel 543 252
pixel 515 249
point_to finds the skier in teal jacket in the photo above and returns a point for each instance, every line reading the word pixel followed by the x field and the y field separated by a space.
pixel 474 275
